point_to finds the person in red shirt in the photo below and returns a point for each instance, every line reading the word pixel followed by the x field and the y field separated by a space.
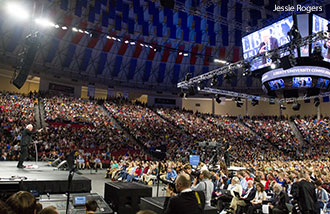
pixel 136 174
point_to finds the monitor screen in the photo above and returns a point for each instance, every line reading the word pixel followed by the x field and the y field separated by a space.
pixel 266 39
pixel 79 200
pixel 302 82
pixel 321 24
pixel 276 84
pixel 322 83
pixel 194 160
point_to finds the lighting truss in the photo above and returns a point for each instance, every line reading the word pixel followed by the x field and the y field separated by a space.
pixel 192 82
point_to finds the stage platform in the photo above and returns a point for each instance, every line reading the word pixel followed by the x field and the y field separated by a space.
pixel 44 179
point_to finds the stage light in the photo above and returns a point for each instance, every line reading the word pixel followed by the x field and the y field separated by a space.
pixel 317 102
pixel 317 54
pixel 118 40
pixel 80 31
pixel 218 98
pixel 126 41
pixel 185 54
pixel 220 61
pixel 86 32
pixel 74 29
pixel 180 53
pixel 214 81
pixel 108 37
pixel 296 106
pixel 18 11
pixel 155 49
pixel 132 43
pixel 273 66
pixel 142 44
pixel 151 47
pixel 254 102
pixel 188 76
pixel 282 107
pixel 57 26
pixel 44 22
pixel 200 86
pixel 247 69
pixel 64 28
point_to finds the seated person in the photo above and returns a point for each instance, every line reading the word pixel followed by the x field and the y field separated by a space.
pixel 245 199
pixel 49 210
pixel 321 194
pixel 91 207
pixel 22 202
pixel 278 205
pixel 97 162
pixel 256 203
pixel 135 174
pixel 235 186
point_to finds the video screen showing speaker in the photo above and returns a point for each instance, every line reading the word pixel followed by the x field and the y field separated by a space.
pixel 322 83
pixel 301 82
pixel 266 39
pixel 276 84
pixel 321 24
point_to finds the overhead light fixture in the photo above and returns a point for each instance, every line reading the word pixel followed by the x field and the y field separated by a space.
pixel 64 28
pixel 220 61
pixel 132 43
pixel 317 102
pixel 44 22
pixel 155 49
pixel 296 106
pixel 185 54
pixel 80 31
pixel 74 29
pixel 273 66
pixel 57 26
pixel 254 102
pixel 188 76
pixel 218 98
pixel 16 10
pixel 142 44
pixel 151 47
pixel 180 53
pixel 118 40
pixel 126 41
pixel 108 37
pixel 214 81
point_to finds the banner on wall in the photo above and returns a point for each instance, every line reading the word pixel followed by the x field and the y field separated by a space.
pixel 110 93
pixel 91 91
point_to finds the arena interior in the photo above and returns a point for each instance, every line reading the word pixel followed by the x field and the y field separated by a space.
pixel 165 106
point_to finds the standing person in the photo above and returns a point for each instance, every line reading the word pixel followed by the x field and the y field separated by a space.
pixel 205 185
pixel 25 142
pixel 304 193
pixel 227 154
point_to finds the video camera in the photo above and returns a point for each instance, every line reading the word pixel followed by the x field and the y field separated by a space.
pixel 171 184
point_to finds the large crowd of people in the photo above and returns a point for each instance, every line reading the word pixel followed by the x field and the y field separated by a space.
pixel 266 147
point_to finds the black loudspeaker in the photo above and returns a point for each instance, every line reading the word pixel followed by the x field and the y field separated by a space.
pixel 23 69
pixel 167 3
pixel 124 198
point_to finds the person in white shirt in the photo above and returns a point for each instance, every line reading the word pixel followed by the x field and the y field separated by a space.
pixel 234 186
pixel 256 203
pixel 242 200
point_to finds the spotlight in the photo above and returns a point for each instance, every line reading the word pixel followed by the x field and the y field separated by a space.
pixel 192 91
pixel 118 40
pixel 132 43
pixel 80 31
pixel 155 49
pixel 16 10
pixel 64 28
pixel 185 54
pixel 317 102
pixel 282 107
pixel 200 86
pixel 296 106
pixel 273 66
pixel 141 44
pixel 218 98
pixel 180 53
pixel 317 54
pixel 126 41
pixel 214 81
pixel 254 102
pixel 220 61
pixel 188 76
pixel 57 26
pixel 108 37
pixel 74 29
pixel 44 22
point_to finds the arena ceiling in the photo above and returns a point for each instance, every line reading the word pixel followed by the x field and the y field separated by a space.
pixel 138 43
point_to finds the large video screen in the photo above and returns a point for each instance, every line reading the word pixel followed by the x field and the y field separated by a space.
pixel 321 24
pixel 276 84
pixel 266 39
pixel 322 83
pixel 301 82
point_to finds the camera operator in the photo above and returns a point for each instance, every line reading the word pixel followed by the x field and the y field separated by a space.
pixel 205 185
pixel 186 201
pixel 187 170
